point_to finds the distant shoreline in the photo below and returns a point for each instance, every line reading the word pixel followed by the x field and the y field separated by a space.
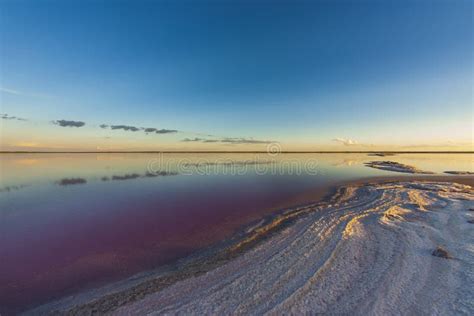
pixel 235 152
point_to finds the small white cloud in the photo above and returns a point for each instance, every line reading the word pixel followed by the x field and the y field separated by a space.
pixel 346 141
pixel 10 91
pixel 8 117
pixel 22 93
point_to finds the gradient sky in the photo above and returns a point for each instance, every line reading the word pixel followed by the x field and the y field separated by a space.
pixel 235 75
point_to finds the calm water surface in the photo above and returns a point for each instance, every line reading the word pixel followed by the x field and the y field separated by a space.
pixel 74 221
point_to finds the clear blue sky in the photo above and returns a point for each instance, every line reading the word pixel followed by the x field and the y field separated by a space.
pixel 376 72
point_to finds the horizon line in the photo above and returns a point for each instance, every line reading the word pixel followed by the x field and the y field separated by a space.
pixel 241 152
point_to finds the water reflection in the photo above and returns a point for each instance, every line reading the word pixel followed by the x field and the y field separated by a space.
pixel 78 180
pixel 71 181
pixel 12 188
pixel 74 221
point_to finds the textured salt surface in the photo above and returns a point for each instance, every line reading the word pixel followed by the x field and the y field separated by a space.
pixel 463 173
pixel 367 253
pixel 395 166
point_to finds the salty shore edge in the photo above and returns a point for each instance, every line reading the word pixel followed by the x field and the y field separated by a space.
pixel 108 298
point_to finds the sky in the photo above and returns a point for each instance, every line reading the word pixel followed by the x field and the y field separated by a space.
pixel 236 75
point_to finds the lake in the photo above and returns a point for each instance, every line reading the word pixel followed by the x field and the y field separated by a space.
pixel 70 222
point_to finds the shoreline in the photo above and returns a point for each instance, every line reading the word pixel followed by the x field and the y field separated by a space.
pixel 128 291
pixel 238 152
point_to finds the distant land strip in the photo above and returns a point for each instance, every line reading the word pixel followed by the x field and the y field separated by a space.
pixel 235 152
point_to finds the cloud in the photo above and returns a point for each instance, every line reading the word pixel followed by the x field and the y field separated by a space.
pixel 166 131
pixel 10 91
pixel 8 117
pixel 159 131
pixel 71 123
pixel 195 139
pixel 125 127
pixel 66 123
pixel 147 130
pixel 229 140
pixel 346 141
pixel 245 141
pixel 21 93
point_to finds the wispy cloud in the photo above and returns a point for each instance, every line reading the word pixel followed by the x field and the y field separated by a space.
pixel 229 140
pixel 8 117
pixel 76 123
pixel 10 91
pixel 125 127
pixel 159 131
pixel 195 139
pixel 22 93
pixel 245 141
pixel 147 130
pixel 345 141
pixel 66 123
pixel 166 131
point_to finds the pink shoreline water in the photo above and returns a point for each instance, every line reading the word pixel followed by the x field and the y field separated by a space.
pixel 59 240
pixel 64 255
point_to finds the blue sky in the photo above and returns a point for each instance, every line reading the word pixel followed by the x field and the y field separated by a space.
pixel 302 73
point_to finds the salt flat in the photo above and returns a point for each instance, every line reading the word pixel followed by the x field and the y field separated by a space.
pixel 369 251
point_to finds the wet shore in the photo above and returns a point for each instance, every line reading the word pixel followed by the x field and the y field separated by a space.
pixel 143 292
